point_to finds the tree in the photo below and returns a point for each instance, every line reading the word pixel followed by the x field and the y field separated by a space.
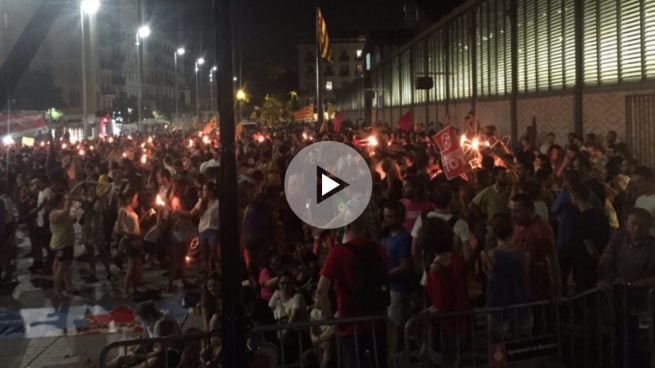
pixel 276 109
pixel 124 109
pixel 164 108
pixel 37 91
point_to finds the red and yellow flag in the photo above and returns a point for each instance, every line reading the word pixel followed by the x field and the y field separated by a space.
pixel 323 38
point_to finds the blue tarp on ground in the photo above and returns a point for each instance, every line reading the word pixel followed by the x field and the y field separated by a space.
pixel 75 320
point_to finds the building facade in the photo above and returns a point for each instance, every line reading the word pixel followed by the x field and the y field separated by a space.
pixel 346 66
pixel 111 59
pixel 576 66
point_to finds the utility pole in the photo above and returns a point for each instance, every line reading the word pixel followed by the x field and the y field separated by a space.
pixel 233 315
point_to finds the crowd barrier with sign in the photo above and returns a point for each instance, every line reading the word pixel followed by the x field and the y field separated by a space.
pixel 612 328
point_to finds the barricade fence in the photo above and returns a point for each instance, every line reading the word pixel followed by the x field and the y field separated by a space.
pixel 612 328
pixel 186 350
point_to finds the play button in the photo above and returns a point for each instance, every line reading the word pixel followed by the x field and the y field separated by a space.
pixel 328 185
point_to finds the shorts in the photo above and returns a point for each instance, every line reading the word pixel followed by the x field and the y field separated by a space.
pixel 208 238
pixel 65 254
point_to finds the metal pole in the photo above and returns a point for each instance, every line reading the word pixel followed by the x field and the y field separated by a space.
pixel 211 90
pixel 233 318
pixel 177 97
pixel 140 86
pixel 197 94
pixel 319 102
pixel 84 86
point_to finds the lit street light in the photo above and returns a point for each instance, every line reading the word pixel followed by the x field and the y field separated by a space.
pixel 241 98
pixel 179 52
pixel 199 62
pixel 211 88
pixel 141 34
pixel 90 8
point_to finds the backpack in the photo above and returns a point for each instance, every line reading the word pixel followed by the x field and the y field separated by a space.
pixel 426 256
pixel 370 291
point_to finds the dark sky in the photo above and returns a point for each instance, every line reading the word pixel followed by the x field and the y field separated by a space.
pixel 271 28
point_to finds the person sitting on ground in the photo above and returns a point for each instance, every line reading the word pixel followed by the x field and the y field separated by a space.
pixel 155 324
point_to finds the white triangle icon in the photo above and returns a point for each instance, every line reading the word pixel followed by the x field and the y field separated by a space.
pixel 327 184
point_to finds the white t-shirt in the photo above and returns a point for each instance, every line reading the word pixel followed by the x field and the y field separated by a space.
pixel 541 209
pixel 461 228
pixel 282 309
pixel 44 196
pixel 647 202
pixel 209 218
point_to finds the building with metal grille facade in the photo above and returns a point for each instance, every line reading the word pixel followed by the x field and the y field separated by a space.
pixel 572 64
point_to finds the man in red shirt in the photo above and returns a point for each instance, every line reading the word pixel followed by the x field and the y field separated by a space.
pixel 363 342
pixel 535 236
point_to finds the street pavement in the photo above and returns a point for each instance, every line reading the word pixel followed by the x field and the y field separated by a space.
pixel 35 291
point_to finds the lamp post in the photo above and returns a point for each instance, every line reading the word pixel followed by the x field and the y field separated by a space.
pixel 141 34
pixel 90 8
pixel 179 52
pixel 199 62
pixel 212 71
pixel 241 98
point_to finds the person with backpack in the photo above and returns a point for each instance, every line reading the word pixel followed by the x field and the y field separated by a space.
pixel 358 270
pixel 442 197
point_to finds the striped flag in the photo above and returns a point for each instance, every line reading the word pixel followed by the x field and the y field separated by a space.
pixel 324 39
pixel 306 114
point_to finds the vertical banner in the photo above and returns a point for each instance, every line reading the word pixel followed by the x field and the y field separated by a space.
pixel 453 160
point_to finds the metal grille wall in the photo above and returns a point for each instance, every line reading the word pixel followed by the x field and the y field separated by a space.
pixel 640 127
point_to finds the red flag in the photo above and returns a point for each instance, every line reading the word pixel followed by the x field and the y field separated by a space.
pixel 452 157
pixel 406 122
pixel 337 121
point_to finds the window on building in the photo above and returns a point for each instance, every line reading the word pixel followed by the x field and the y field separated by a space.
pixel 309 57
pixel 344 56
pixel 344 70
pixel 360 69
pixel 329 85
pixel 359 54
pixel 74 98
pixel 328 71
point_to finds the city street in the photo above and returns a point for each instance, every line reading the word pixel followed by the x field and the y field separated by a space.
pixel 53 329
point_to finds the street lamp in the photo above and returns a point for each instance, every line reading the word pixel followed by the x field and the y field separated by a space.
pixel 142 33
pixel 241 98
pixel 90 8
pixel 179 52
pixel 200 61
pixel 212 71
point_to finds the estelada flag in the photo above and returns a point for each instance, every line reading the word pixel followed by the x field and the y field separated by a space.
pixel 406 121
pixel 323 38
pixel 337 121
pixel 305 114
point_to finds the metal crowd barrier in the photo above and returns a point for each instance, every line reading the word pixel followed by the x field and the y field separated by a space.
pixel 591 329
pixel 358 342
pixel 186 350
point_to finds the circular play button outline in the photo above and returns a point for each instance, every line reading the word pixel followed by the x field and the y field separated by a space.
pixel 328 185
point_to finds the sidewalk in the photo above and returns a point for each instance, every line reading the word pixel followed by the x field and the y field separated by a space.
pixel 53 351
pixel 36 292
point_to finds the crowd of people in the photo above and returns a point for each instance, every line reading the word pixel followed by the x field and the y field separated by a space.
pixel 536 221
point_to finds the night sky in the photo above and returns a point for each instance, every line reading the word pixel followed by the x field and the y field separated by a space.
pixel 271 28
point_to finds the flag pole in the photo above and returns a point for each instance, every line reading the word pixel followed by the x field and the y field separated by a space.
pixel 319 102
